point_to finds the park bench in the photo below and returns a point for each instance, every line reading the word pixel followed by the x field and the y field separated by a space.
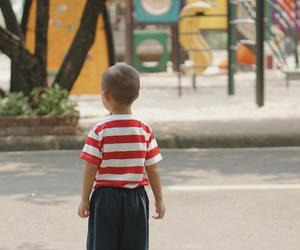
pixel 291 74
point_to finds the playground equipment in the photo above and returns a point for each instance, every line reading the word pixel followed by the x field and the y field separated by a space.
pixel 247 33
pixel 190 39
pixel 244 56
pixel 64 21
pixel 250 25
pixel 269 31
pixel 291 10
pixel 215 18
pixel 161 37
pixel 156 11
pixel 280 26
pixel 149 12
pixel 195 17
pixel 281 15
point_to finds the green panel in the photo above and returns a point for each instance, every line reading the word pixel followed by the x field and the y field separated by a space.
pixel 139 36
pixel 169 16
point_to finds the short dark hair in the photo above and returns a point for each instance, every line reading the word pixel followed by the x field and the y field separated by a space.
pixel 122 82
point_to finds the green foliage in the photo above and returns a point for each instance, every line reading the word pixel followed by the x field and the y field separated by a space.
pixel 48 101
pixel 14 104
pixel 52 101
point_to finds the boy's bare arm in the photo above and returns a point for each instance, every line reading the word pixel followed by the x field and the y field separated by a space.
pixel 90 171
pixel 154 179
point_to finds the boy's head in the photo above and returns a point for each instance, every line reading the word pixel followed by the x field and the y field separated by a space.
pixel 122 83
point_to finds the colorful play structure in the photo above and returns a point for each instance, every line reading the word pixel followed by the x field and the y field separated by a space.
pixel 167 15
pixel 149 13
pixel 199 16
pixel 275 23
pixel 196 45
pixel 249 24
pixel 64 21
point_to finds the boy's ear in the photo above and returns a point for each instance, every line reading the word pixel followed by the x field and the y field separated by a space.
pixel 106 95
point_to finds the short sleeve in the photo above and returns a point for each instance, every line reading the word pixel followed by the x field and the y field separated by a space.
pixel 91 151
pixel 153 154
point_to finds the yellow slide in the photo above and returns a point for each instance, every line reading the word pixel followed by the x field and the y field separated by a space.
pixel 217 22
pixel 191 40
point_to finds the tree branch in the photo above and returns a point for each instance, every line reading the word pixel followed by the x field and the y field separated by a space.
pixel 17 79
pixel 41 35
pixel 13 47
pixel 10 18
pixel 84 39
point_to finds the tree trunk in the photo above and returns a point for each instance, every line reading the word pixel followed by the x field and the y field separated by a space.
pixel 84 39
pixel 17 80
pixel 13 47
pixel 41 37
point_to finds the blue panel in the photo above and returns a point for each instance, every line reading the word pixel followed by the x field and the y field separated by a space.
pixel 143 16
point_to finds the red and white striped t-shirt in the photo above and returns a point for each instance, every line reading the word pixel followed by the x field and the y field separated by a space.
pixel 121 146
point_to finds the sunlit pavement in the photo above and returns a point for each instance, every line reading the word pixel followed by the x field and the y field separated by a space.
pixel 210 102
pixel 216 199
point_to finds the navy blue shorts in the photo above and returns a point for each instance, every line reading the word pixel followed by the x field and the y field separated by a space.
pixel 118 219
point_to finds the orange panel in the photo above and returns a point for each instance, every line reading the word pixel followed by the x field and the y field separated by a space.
pixel 244 56
pixel 63 24
pixel 286 5
pixel 96 63
pixel 30 33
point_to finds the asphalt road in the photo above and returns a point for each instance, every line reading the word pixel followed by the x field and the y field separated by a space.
pixel 217 199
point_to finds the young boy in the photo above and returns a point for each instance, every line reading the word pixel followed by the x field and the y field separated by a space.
pixel 118 152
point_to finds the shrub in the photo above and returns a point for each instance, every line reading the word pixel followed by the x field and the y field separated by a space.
pixel 14 104
pixel 48 101
pixel 52 101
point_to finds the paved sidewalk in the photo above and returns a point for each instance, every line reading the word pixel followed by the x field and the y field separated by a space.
pixel 217 199
pixel 206 117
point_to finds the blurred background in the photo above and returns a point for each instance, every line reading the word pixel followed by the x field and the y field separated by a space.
pixel 220 86
pixel 189 37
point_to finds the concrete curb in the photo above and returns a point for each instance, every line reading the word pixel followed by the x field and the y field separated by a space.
pixel 41 142
pixel 200 134
pixel 51 142
pixel 229 141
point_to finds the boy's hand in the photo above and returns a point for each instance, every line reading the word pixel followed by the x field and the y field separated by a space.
pixel 84 209
pixel 160 210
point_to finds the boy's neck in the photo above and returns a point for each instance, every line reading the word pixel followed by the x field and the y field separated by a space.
pixel 121 110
